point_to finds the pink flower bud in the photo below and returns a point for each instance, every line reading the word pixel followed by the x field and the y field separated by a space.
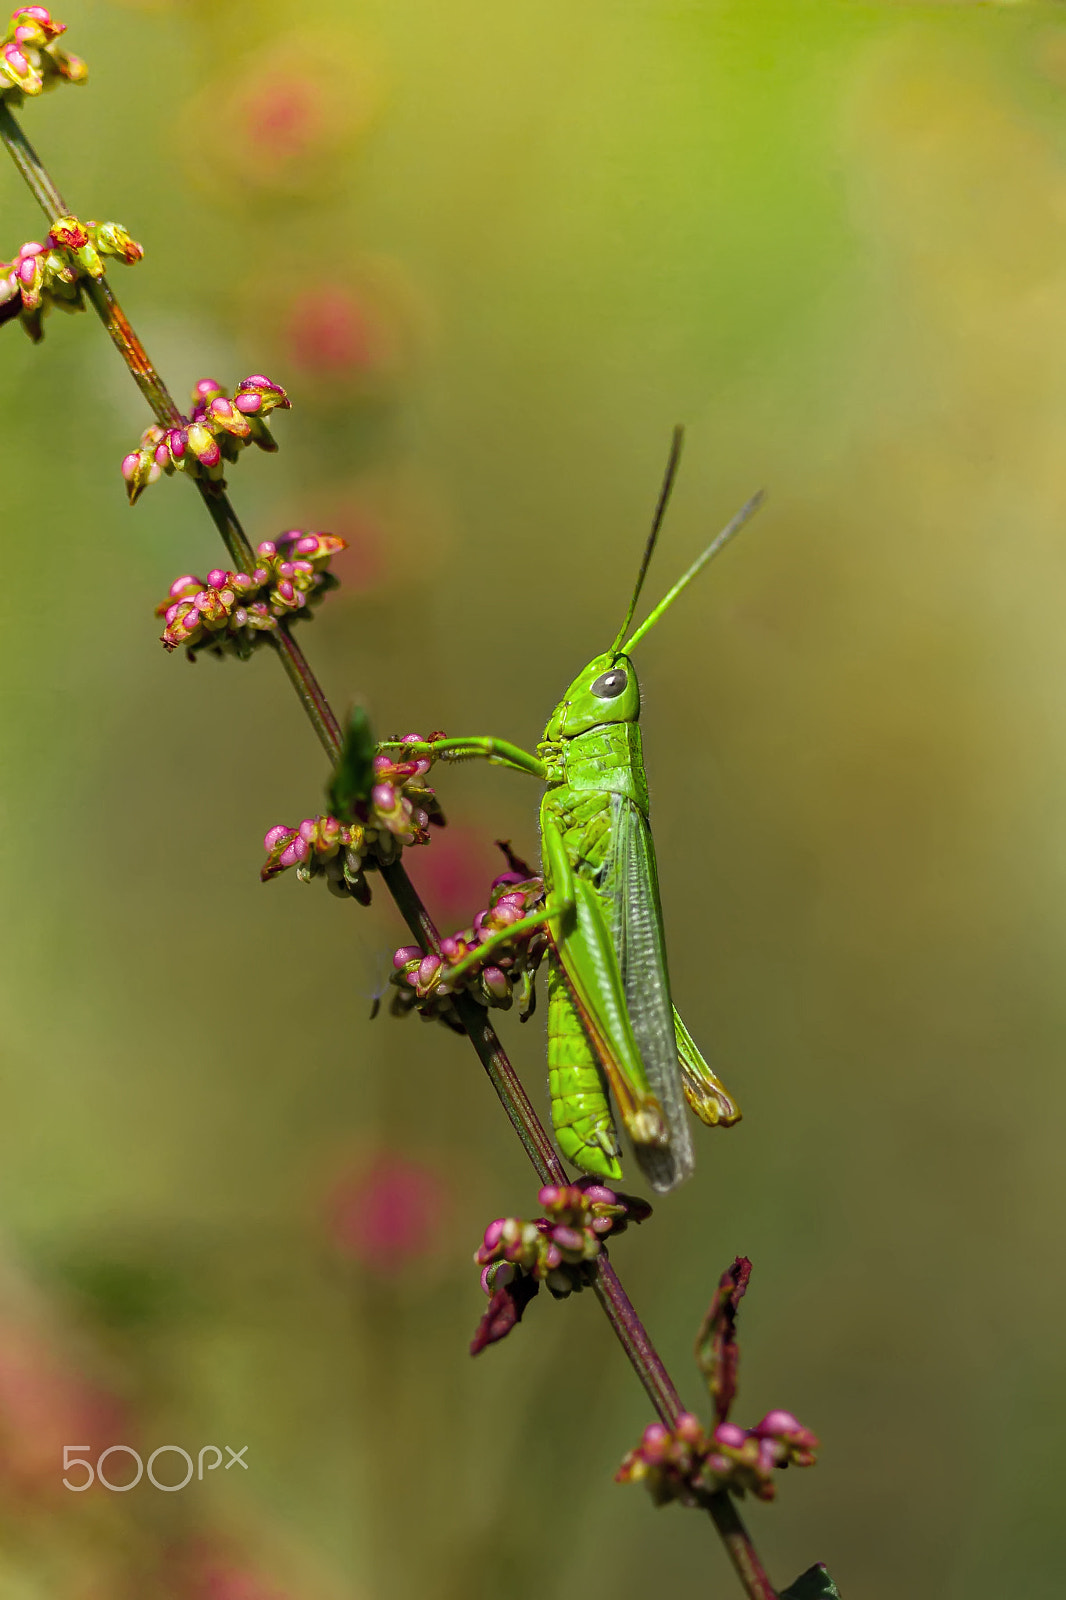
pixel 275 835
pixel 203 445
pixel 17 63
pixel 272 395
pixel 493 1232
pixel 568 1239
pixel 495 981
pixel 45 23
pixel 247 404
pixel 655 1442
pixel 130 465
pixel 729 1434
pixel 298 850
pixel 778 1422
pixel 223 415
pixel 406 953
pixel 512 902
pixel 383 796
pixel 497 1276
pixel 688 1429
pixel 428 969
pixel 267 549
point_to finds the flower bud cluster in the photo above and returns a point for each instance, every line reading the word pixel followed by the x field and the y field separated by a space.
pixel 687 1463
pixel 232 611
pixel 45 275
pixel 400 811
pixel 216 430
pixel 319 846
pixel 423 982
pixel 30 59
pixel 556 1248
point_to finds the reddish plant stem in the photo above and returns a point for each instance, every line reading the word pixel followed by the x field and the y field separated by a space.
pixel 311 696
pixel 617 1306
pixel 739 1547
pixel 633 1337
pixel 508 1086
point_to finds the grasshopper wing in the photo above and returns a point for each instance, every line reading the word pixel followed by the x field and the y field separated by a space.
pixel 582 943
pixel 631 882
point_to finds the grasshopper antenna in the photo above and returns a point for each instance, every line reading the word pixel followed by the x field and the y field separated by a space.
pixel 728 532
pixel 656 523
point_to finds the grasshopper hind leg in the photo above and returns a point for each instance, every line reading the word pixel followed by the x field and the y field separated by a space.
pixel 581 1113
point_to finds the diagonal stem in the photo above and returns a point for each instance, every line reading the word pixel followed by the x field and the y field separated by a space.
pixel 616 1304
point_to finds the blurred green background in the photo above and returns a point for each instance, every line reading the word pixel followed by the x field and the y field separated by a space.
pixel 494 253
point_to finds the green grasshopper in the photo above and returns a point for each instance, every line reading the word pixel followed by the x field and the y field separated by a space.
pixel 610 1015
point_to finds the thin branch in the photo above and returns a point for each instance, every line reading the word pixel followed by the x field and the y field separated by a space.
pixel 739 1547
pixel 619 1310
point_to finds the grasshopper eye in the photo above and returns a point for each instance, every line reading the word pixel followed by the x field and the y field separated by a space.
pixel 609 685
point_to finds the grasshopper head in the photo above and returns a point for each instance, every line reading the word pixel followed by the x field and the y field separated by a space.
pixel 606 691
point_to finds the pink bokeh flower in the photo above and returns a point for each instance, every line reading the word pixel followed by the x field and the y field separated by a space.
pixel 332 331
pixel 391 1214
pixel 451 877
pixel 290 111
pixel 284 118
pixel 222 1580
pixel 205 1568
pixel 45 1402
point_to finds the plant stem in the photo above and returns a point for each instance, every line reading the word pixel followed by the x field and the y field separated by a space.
pixel 616 1304
pixel 508 1086
pixel 739 1547
pixel 310 693
pixel 633 1337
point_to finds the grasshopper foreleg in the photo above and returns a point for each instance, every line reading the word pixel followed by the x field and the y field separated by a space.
pixel 498 752
pixel 556 906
